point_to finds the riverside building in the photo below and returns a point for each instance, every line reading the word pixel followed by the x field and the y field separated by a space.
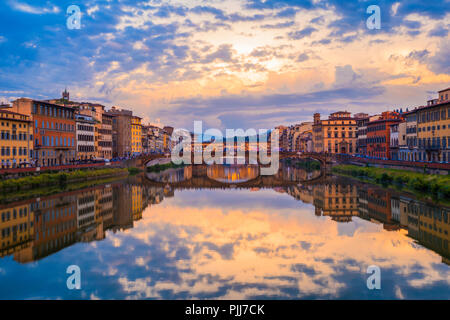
pixel 85 137
pixel 379 135
pixel 121 135
pixel 335 135
pixel 16 139
pixel 136 135
pixel 433 132
pixel 53 130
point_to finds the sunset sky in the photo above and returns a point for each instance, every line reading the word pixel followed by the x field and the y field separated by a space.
pixel 233 63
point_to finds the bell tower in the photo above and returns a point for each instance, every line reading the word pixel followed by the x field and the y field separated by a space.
pixel 316 118
pixel 66 95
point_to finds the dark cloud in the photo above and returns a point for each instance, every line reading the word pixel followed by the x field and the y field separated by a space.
pixel 420 55
pixel 318 20
pixel 223 53
pixel 302 268
pixel 440 62
pixel 297 35
pixel 302 57
pixel 280 25
pixel 276 4
pixel 439 31
pixel 412 24
pixel 261 111
pixel 286 13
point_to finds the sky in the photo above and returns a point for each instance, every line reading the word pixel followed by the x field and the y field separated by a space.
pixel 233 63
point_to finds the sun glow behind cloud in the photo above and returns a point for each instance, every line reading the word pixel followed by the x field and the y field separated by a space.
pixel 154 57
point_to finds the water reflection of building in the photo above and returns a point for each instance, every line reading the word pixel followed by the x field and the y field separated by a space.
pixel 136 202
pixel 156 195
pixel 302 193
pixel 123 216
pixel 172 175
pixel 55 226
pixel 337 200
pixel 104 209
pixel 40 227
pixel 342 199
pixel 85 209
pixel 36 228
pixel 376 205
pixel 290 173
pixel 430 226
pixel 16 227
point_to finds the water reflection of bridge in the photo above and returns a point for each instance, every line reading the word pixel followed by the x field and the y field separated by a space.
pixel 325 160
pixel 226 177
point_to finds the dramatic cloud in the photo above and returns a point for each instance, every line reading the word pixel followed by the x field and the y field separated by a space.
pixel 165 59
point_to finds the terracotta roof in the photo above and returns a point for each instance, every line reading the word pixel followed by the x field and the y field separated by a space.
pixel 12 112
pixel 384 120
pixel 433 105
pixel 52 104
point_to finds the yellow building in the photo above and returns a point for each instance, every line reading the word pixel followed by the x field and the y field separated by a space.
pixel 335 135
pixel 166 141
pixel 338 201
pixel 430 226
pixel 16 229
pixel 136 202
pixel 433 129
pixel 136 135
pixel 16 139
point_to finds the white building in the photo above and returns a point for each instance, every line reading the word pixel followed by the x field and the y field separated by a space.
pixel 85 135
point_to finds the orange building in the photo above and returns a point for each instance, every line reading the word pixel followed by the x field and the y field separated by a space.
pixel 376 204
pixel 335 135
pixel 53 128
pixel 378 134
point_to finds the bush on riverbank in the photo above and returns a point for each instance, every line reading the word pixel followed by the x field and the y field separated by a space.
pixel 436 185
pixel 307 165
pixel 12 196
pixel 134 171
pixel 60 178
pixel 161 167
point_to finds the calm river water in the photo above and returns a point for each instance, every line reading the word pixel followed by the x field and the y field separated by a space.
pixel 225 232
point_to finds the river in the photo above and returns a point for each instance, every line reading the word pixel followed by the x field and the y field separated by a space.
pixel 225 232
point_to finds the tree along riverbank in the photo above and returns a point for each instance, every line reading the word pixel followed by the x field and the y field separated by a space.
pixel 437 186
pixel 59 179
pixel 307 165
pixel 161 167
